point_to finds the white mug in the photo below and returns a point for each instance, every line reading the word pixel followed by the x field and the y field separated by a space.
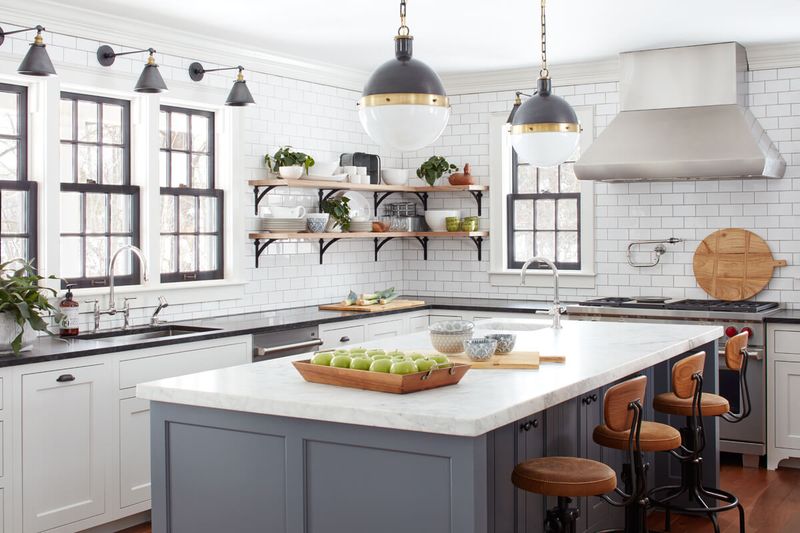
pixel 355 178
pixel 349 170
pixel 284 212
pixel 361 171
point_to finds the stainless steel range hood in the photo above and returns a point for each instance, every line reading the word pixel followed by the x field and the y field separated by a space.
pixel 682 116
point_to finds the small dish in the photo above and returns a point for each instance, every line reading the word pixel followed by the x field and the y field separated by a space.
pixel 451 327
pixel 290 173
pixel 505 342
pixel 317 222
pixel 469 224
pixel 452 223
pixel 480 349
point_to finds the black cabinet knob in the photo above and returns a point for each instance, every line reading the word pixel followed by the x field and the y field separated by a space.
pixel 594 397
pixel 63 378
pixel 529 424
pixel 345 339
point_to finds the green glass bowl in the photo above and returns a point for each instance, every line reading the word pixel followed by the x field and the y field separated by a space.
pixel 469 224
pixel 452 223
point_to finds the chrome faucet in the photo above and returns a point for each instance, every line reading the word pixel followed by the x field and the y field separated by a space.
pixel 162 303
pixel 556 308
pixel 112 305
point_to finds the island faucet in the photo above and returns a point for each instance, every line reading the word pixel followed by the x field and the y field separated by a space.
pixel 162 303
pixel 112 306
pixel 556 308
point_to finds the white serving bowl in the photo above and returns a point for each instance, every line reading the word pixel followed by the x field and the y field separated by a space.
pixel 324 168
pixel 394 176
pixel 290 173
pixel 435 218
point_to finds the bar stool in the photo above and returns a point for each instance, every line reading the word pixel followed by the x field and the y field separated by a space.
pixel 688 399
pixel 625 430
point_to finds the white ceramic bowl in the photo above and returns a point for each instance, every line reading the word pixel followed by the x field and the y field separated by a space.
pixel 394 176
pixel 290 173
pixel 435 218
pixel 324 168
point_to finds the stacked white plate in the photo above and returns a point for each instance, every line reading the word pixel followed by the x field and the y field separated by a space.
pixel 284 225
pixel 360 227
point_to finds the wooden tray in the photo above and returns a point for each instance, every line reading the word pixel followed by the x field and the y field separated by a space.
pixel 513 360
pixel 380 381
pixel 391 306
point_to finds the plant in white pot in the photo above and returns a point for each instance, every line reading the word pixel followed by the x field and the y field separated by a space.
pixel 288 164
pixel 23 304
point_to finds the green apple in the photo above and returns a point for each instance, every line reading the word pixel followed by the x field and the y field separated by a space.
pixel 376 351
pixel 322 358
pixel 395 353
pixel 381 356
pixel 440 359
pixel 414 356
pixel 423 365
pixel 341 361
pixel 381 365
pixel 403 367
pixel 342 351
pixel 355 351
pixel 360 363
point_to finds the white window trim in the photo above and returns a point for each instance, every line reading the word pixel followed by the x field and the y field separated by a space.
pixel 500 187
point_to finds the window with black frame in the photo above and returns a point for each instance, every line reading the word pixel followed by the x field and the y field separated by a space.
pixel 17 195
pixel 99 206
pixel 191 206
pixel 544 215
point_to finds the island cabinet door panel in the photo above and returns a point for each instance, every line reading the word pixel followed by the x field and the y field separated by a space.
pixel 134 451
pixel 787 399
pixel 562 437
pixel 63 449
pixel 532 506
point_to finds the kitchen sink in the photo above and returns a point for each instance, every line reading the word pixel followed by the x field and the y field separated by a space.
pixel 144 333
pixel 512 324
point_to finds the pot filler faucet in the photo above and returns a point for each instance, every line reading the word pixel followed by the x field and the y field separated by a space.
pixel 556 308
pixel 112 306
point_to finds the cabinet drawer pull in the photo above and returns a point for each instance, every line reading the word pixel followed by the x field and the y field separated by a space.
pixel 63 378
pixel 345 339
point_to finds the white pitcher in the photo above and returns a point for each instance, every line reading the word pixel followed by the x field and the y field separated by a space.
pixel 274 211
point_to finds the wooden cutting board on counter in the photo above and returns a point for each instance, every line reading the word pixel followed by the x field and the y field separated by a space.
pixel 391 306
pixel 513 360
pixel 734 264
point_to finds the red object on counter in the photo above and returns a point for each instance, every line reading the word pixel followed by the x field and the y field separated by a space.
pixel 731 331
pixel 748 331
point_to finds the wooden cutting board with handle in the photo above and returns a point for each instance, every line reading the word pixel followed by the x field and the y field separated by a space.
pixel 513 360
pixel 391 306
pixel 734 264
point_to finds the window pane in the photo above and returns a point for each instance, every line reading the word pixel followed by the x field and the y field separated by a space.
pixel 180 164
pixel 87 121
pixel 9 157
pixel 96 256
pixel 569 183
pixel 200 171
pixel 70 212
pixel 112 124
pixel 567 247
pixel 71 254
pixel 546 244
pixel 207 218
pixel 12 248
pixel 120 213
pixel 13 217
pixel 188 215
pixel 163 161
pixel 526 179
pixel 67 164
pixel 199 133
pixel 96 214
pixel 187 245
pixel 179 131
pixel 545 214
pixel 112 165
pixel 87 164
pixel 523 245
pixel 169 263
pixel 548 179
pixel 523 214
pixel 208 253
pixel 9 113
pixel 568 214
pixel 162 128
pixel 168 223
pixel 66 118
pixel 122 267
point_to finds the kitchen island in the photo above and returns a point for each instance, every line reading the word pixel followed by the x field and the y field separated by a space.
pixel 256 448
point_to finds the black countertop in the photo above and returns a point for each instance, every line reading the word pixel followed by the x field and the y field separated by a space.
pixel 54 348
pixel 786 316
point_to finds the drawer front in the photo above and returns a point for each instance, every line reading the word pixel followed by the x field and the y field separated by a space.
pixel 785 341
pixel 385 329
pixel 434 318
pixel 417 324
pixel 335 337
pixel 189 361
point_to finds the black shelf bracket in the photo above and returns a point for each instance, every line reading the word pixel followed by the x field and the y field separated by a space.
pixel 379 244
pixel 259 195
pixel 478 195
pixel 323 247
pixel 261 248
pixel 424 242
pixel 423 197
pixel 378 199
pixel 479 244
pixel 324 196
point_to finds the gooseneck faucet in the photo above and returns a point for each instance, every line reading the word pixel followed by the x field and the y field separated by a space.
pixel 112 305
pixel 556 308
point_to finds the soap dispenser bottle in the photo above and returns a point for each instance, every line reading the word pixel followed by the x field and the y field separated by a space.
pixel 69 309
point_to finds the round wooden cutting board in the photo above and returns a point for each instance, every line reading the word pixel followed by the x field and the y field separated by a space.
pixel 734 264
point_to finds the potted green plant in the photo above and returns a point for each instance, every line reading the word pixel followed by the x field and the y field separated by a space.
pixel 287 163
pixel 433 169
pixel 339 211
pixel 23 304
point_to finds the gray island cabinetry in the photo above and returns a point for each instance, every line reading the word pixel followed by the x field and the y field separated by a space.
pixel 254 448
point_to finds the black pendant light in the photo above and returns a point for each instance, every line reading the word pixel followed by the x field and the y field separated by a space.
pixel 404 105
pixel 544 129
pixel 36 62
pixel 239 96
pixel 150 80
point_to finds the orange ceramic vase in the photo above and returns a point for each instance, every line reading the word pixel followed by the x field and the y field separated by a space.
pixel 462 178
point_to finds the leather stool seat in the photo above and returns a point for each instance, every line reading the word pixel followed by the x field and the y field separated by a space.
pixel 710 405
pixel 655 437
pixel 564 476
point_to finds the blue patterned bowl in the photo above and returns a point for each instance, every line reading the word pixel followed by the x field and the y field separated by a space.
pixel 505 341
pixel 480 349
pixel 317 222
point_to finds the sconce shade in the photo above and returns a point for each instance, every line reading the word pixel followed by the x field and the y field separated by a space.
pixel 240 95
pixel 150 81
pixel 36 62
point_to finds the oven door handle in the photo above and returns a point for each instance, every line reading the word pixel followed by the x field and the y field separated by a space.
pixel 261 351
pixel 755 354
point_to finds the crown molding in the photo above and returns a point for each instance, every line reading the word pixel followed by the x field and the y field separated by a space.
pixel 765 56
pixel 58 17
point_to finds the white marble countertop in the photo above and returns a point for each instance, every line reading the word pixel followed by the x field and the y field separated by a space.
pixel 597 353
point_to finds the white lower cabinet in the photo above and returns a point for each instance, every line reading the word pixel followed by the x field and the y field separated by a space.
pixel 783 393
pixel 384 329
pixel 134 451
pixel 787 398
pixel 64 452
pixel 333 336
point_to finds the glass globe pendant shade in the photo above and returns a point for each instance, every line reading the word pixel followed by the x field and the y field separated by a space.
pixel 545 130
pixel 405 127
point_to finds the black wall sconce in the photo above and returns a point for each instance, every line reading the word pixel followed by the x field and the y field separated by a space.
pixel 239 96
pixel 36 62
pixel 150 81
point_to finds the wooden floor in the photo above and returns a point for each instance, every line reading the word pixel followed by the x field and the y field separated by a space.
pixel 771 501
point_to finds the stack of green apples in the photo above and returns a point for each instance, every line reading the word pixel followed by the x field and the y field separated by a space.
pixel 377 360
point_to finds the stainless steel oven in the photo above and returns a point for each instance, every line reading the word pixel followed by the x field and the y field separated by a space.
pixel 282 343
pixel 748 436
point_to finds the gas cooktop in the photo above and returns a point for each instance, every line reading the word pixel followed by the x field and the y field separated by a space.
pixel 682 305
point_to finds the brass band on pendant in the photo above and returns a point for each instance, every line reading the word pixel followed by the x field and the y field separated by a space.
pixel 374 100
pixel 546 127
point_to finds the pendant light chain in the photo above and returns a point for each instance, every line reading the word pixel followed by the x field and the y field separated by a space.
pixel 403 30
pixel 544 72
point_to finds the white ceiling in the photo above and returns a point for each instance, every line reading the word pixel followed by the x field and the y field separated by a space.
pixel 466 35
